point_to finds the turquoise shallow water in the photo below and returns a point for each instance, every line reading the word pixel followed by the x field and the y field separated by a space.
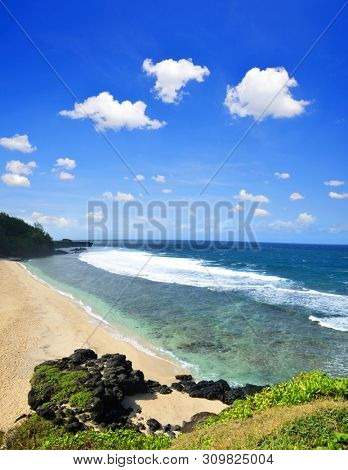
pixel 245 316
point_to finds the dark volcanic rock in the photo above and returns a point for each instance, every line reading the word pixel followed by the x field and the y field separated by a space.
pixel 195 421
pixel 238 393
pixel 184 378
pixel 80 356
pixel 177 386
pixel 208 389
pixel 153 424
pixel 46 413
pixel 100 386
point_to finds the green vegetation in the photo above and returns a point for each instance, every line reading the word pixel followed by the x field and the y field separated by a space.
pixel 60 385
pixel 19 239
pixel 327 428
pixel 80 399
pixel 38 433
pixel 308 412
pixel 272 413
pixel 303 388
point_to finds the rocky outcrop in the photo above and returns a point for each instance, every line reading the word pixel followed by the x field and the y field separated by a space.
pixel 213 390
pixel 82 391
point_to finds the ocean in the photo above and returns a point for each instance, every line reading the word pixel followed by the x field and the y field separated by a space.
pixel 244 315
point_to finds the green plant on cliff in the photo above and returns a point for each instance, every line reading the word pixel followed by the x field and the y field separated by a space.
pixel 326 428
pixel 303 388
pixel 38 433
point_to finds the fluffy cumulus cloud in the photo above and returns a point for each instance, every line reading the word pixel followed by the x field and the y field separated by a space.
pixel 282 176
pixel 159 178
pixel 335 195
pixel 261 213
pixel 19 168
pixel 139 177
pixel 67 163
pixel 65 175
pixel 245 196
pixel 334 183
pixel 296 196
pixel 17 142
pixel 51 220
pixel 264 93
pixel 303 221
pixel 11 179
pixel 17 173
pixel 108 113
pixel 119 196
pixel 172 76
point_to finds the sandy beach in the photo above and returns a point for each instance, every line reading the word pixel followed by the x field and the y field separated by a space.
pixel 38 324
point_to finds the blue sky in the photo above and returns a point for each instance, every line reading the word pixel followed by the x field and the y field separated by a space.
pixel 101 47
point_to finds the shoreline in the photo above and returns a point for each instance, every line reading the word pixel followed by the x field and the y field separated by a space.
pixel 98 321
pixel 38 324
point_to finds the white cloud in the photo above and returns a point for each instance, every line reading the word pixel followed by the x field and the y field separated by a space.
pixel 19 168
pixel 282 176
pixel 66 163
pixel 119 196
pixel 335 195
pixel 244 196
pixel 334 183
pixel 261 213
pixel 159 178
pixel 172 76
pixel 96 216
pixel 50 220
pixel 139 178
pixel 303 221
pixel 166 191
pixel 124 197
pixel 108 195
pixel 65 175
pixel 266 93
pixel 305 218
pixel 17 142
pixel 11 179
pixel 296 196
pixel 108 113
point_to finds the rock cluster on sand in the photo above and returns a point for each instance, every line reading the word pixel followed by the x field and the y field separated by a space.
pixel 213 390
pixel 83 391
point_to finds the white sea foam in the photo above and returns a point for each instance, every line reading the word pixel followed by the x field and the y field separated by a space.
pixel 261 287
pixel 335 323
pixel 185 271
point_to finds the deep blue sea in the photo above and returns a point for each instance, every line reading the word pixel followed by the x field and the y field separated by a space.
pixel 245 315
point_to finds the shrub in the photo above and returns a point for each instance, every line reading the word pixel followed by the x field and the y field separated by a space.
pixel 303 388
pixel 38 433
pixel 324 429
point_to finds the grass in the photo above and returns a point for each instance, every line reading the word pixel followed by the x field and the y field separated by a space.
pixel 323 429
pixel 303 388
pixel 38 433
pixel 309 411
pixel 305 426
pixel 59 385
